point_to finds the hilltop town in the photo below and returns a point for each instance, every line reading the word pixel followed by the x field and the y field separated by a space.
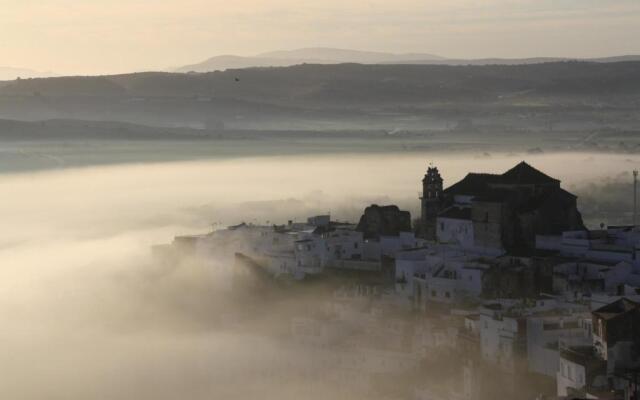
pixel 499 291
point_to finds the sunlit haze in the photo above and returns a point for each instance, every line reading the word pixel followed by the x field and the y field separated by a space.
pixel 313 200
pixel 110 36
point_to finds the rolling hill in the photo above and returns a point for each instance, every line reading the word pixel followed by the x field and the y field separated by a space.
pixel 342 95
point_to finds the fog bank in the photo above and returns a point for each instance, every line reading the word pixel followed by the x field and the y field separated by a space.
pixel 88 315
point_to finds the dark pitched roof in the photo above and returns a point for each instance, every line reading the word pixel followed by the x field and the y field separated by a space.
pixel 524 173
pixel 472 184
pixel 616 308
pixel 482 185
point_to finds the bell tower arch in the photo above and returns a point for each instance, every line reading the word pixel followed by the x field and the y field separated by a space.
pixel 431 201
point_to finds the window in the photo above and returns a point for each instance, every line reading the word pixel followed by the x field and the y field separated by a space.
pixel 441 226
pixel 447 295
pixel 355 245
pixel 433 293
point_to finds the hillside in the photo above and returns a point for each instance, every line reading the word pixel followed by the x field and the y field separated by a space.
pixel 341 94
pixel 348 82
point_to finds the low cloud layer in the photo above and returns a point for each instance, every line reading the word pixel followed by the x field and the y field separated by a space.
pixel 87 314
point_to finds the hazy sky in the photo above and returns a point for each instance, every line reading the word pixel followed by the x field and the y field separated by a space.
pixel 104 36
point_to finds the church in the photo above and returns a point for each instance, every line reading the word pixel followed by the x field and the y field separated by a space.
pixel 497 212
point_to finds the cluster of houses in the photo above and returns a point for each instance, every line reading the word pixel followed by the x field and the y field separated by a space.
pixel 500 273
pixel 303 249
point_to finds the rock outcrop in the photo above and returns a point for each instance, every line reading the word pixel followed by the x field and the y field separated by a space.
pixel 384 221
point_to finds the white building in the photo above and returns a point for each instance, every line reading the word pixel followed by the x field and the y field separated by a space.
pixel 453 282
pixel 454 225
pixel 344 243
pixel 614 244
pixel 577 278
pixel 502 336
pixel 546 332
pixel 578 370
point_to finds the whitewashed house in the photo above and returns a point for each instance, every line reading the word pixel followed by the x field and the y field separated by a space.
pixel 615 244
pixel 546 332
pixel 454 225
pixel 455 280
pixel 502 336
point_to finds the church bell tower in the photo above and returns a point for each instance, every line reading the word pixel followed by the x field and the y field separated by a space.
pixel 431 201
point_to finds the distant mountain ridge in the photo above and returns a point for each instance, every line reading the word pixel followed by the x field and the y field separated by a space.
pixel 228 61
pixel 347 56
pixel 325 55
pixel 312 55
pixel 521 61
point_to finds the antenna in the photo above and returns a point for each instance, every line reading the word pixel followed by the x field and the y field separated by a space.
pixel 635 198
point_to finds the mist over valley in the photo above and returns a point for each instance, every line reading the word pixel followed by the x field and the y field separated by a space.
pixel 449 212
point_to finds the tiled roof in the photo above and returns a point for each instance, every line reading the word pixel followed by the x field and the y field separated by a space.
pixel 524 173
pixel 472 184
pixel 616 308
pixel 480 183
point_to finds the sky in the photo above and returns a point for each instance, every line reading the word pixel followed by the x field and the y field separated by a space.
pixel 113 36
